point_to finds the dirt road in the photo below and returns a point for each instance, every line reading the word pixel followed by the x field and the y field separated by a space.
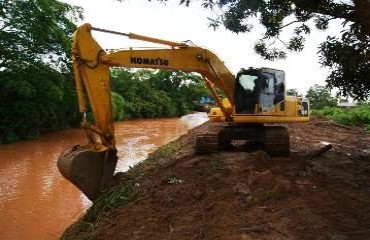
pixel 243 194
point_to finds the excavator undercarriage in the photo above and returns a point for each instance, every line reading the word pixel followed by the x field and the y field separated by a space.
pixel 218 136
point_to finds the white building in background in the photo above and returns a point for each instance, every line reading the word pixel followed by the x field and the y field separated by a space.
pixel 346 104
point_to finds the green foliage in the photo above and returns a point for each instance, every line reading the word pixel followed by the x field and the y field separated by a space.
pixel 35 99
pixel 332 111
pixel 367 127
pixel 346 55
pixel 111 199
pixel 320 97
pixel 167 150
pixel 174 180
pixel 36 30
pixel 118 105
pixel 358 116
pixel 361 115
pixel 150 94
pixel 36 88
pixel 349 60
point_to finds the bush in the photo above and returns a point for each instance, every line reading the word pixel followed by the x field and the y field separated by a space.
pixel 320 97
pixel 343 118
pixel 117 106
pixel 359 116
pixel 152 94
pixel 35 99
pixel 331 111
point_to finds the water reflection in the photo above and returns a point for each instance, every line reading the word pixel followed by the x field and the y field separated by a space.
pixel 36 202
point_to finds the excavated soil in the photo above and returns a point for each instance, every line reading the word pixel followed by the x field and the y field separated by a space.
pixel 246 194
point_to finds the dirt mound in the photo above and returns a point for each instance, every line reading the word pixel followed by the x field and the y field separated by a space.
pixel 244 195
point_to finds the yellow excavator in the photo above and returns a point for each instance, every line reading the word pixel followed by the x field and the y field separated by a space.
pixel 252 101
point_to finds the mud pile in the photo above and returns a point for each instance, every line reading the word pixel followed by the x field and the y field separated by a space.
pixel 235 194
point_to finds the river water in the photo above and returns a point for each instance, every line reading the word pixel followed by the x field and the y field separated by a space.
pixel 36 202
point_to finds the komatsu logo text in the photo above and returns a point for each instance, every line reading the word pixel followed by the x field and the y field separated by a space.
pixel 149 61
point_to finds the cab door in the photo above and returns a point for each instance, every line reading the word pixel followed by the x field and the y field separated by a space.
pixel 246 93
pixel 272 89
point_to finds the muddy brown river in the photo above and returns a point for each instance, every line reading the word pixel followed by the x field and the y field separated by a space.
pixel 36 202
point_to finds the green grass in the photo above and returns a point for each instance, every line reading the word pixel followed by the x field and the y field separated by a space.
pixel 87 227
pixel 174 180
pixel 167 150
pixel 358 116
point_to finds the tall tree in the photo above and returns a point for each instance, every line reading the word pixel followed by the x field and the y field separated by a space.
pixel 320 97
pixel 36 30
pixel 347 55
pixel 158 93
pixel 36 87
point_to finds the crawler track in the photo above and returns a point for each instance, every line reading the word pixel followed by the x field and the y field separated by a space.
pixel 276 141
pixel 214 137
pixel 211 139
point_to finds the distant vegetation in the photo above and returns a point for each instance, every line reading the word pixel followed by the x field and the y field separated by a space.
pixel 36 85
pixel 320 97
pixel 358 116
pixel 37 89
pixel 151 94
pixel 323 104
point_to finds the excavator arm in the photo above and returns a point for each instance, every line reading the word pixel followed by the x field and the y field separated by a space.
pixel 91 67
pixel 91 167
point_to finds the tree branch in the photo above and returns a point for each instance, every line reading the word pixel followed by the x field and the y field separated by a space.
pixel 359 13
pixel 362 14
pixel 326 7
pixel 296 21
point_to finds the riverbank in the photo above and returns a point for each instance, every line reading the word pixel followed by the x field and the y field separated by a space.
pixel 32 191
pixel 176 194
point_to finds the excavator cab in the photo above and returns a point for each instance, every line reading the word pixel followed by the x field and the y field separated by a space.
pixel 258 90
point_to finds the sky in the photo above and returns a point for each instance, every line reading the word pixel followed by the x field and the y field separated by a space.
pixel 173 22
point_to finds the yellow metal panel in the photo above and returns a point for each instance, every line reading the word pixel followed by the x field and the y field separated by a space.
pixel 268 119
pixel 188 59
pixel 95 76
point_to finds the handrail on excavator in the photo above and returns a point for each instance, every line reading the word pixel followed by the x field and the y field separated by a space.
pixel 142 38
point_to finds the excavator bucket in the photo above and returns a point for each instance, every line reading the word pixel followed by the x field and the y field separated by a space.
pixel 90 171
